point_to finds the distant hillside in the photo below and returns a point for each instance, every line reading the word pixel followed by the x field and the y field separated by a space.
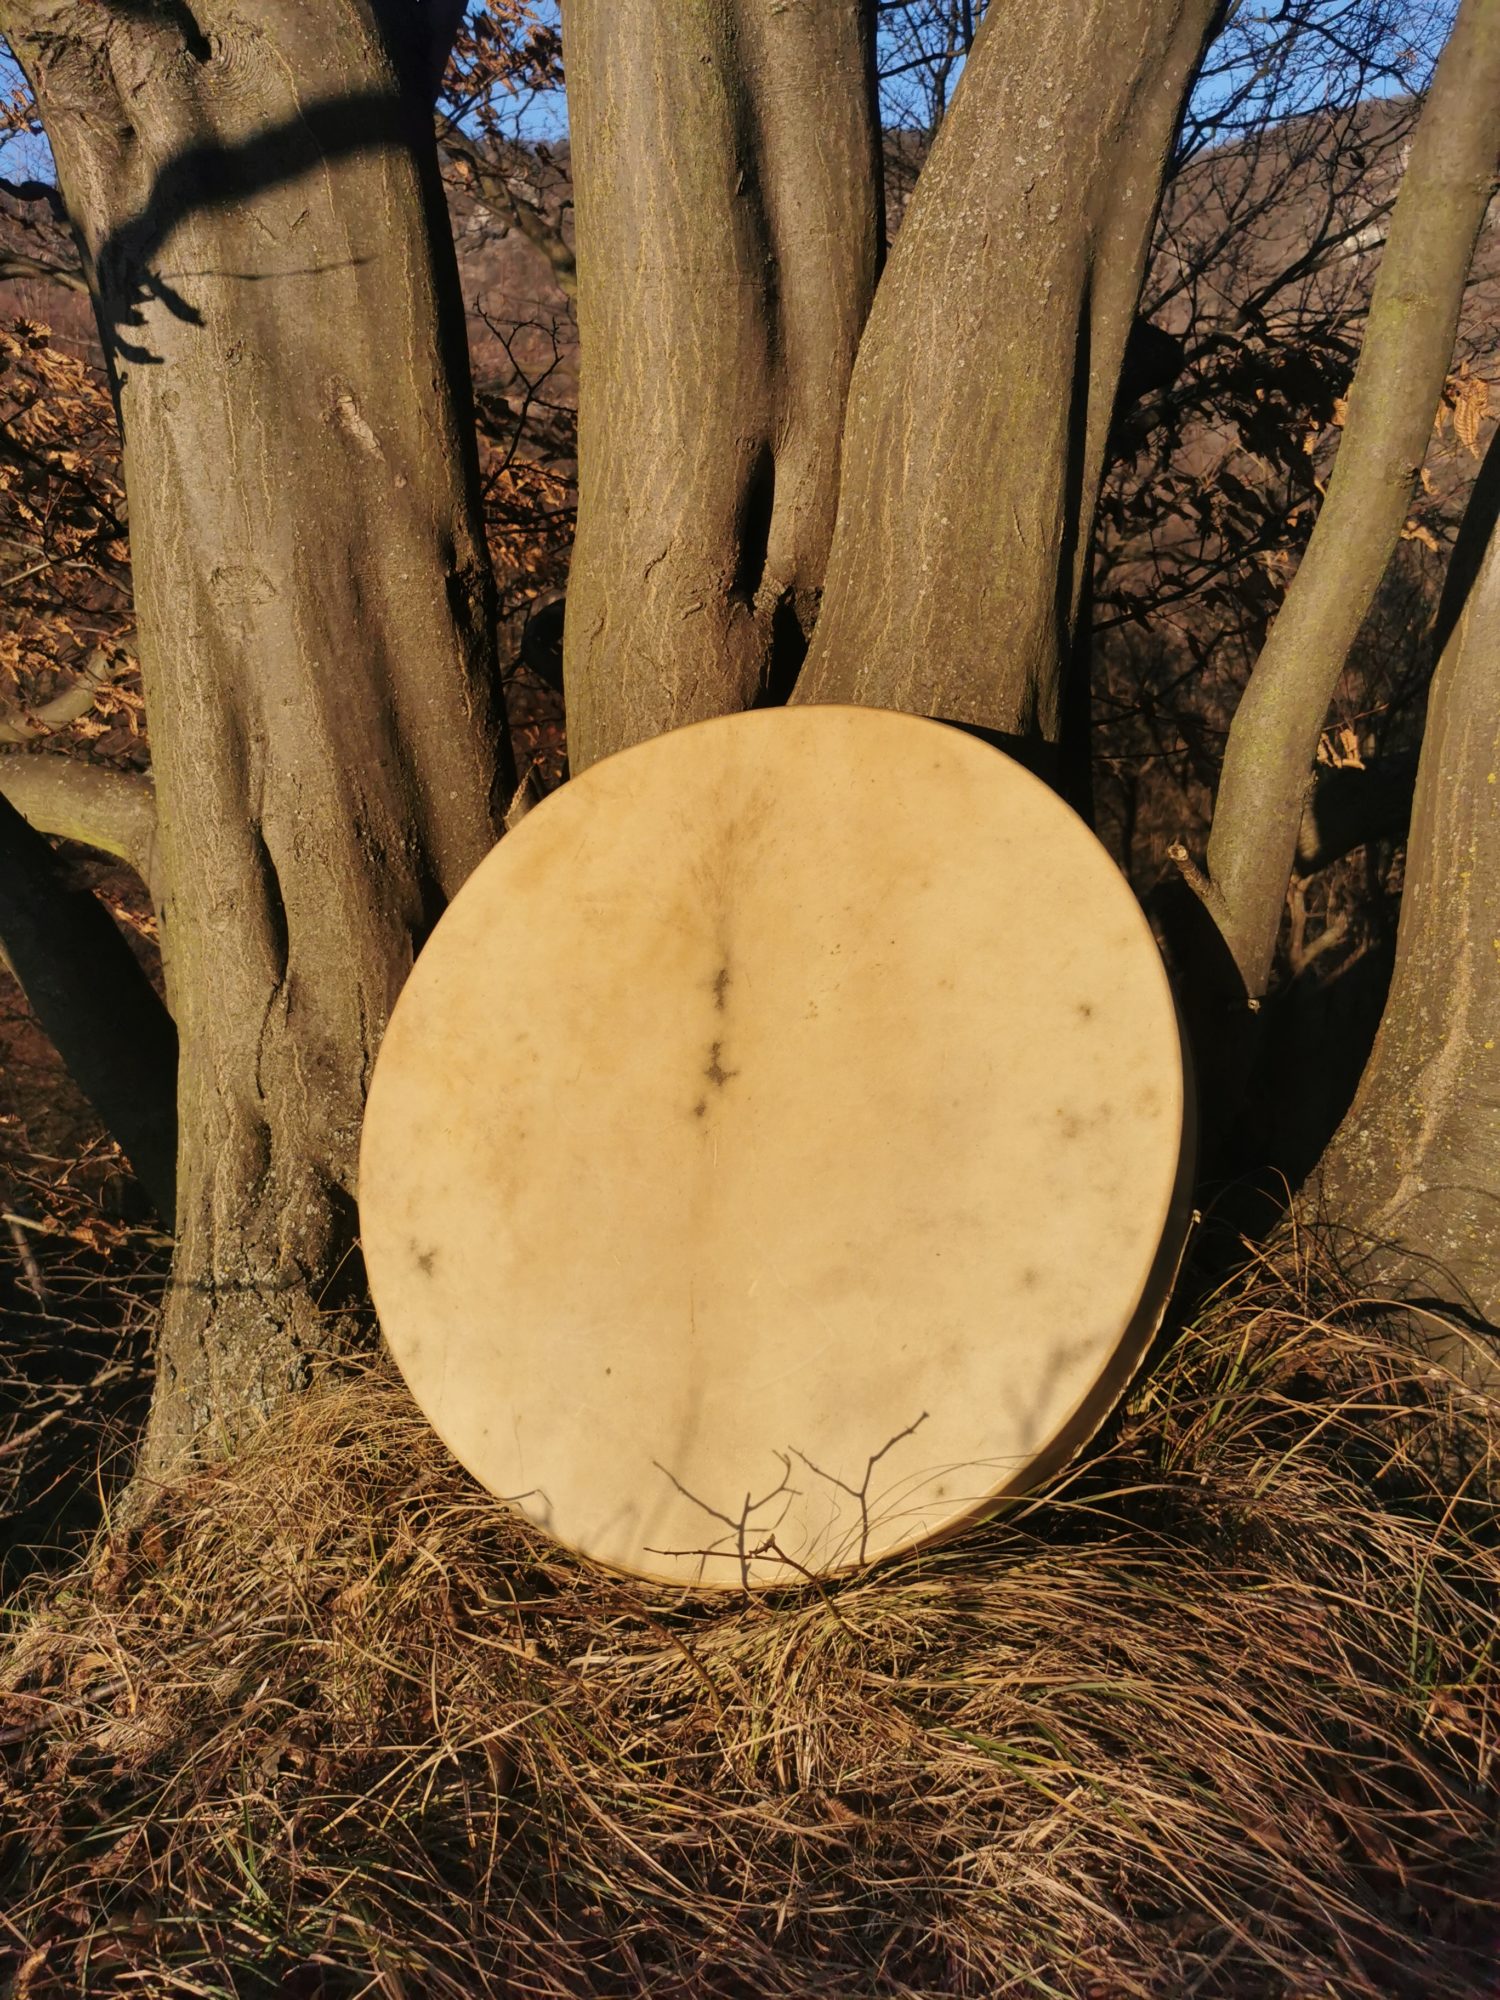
pixel 1300 206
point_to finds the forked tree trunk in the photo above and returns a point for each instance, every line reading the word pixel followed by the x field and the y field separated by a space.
pixel 259 213
pixel 726 173
pixel 1412 1179
pixel 987 377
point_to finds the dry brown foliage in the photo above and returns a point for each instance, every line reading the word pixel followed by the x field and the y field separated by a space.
pixel 1217 1716
pixel 64 551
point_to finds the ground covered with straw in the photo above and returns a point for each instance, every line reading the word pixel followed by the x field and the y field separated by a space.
pixel 1217 1716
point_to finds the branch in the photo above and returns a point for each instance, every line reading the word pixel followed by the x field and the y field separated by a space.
pixel 494 185
pixel 1408 345
pixel 14 265
pixel 28 724
pixel 94 1003
pixel 1197 881
pixel 111 811
pixel 36 191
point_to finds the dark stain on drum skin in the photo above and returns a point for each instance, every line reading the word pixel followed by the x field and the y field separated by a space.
pixel 714 1070
pixel 424 1260
pixel 716 1073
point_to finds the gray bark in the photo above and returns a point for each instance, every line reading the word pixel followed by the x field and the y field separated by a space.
pixel 727 187
pixel 986 380
pixel 1411 1182
pixel 255 191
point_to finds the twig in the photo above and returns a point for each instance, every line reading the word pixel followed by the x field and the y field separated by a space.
pixel 17 1225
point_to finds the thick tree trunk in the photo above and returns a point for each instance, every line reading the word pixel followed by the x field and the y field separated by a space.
pixel 255 191
pixel 726 171
pixel 1412 1179
pixel 986 380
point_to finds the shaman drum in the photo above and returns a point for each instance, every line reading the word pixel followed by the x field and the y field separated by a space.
pixel 777 1154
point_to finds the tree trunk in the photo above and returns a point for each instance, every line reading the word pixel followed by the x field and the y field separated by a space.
pixel 726 173
pixel 1408 346
pixel 255 191
pixel 986 380
pixel 1412 1178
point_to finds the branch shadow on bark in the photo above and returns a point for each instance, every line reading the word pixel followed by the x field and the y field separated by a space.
pixel 275 282
pixel 205 177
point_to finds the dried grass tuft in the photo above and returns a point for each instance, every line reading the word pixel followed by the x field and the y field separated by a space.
pixel 1217 1716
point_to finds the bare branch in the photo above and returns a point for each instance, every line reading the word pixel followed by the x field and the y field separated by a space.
pixel 1409 343
pixel 1197 881
pixel 36 191
pixel 111 811
pixel 13 264
pixel 496 187
pixel 27 725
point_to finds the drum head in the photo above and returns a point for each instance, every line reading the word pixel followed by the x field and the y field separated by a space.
pixel 777 1153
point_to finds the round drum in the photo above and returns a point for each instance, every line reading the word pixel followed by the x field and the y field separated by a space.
pixel 777 1154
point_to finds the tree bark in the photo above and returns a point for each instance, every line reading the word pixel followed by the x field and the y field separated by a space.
pixel 986 381
pixel 1273 739
pixel 726 173
pixel 111 811
pixel 1411 1181
pixel 94 1003
pixel 255 190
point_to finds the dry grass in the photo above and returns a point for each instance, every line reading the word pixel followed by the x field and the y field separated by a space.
pixel 1218 1717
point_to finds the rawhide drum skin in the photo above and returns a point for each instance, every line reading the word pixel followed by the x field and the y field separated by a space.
pixel 777 1154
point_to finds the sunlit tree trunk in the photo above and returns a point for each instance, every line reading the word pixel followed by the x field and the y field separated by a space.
pixel 1411 1182
pixel 726 167
pixel 1408 347
pixel 987 377
pixel 255 193
pixel 785 489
